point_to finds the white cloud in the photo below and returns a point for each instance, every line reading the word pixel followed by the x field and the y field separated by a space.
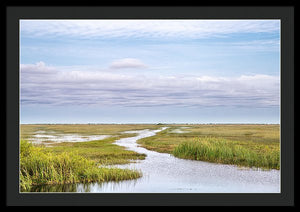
pixel 127 63
pixel 41 84
pixel 145 28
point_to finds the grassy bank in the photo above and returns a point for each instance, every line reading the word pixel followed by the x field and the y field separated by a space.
pixel 244 145
pixel 74 162
pixel 229 152
pixel 102 152
pixel 40 166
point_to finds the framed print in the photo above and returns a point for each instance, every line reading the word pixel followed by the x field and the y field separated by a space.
pixel 150 106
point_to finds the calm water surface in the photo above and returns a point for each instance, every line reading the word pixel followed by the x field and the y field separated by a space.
pixel 163 173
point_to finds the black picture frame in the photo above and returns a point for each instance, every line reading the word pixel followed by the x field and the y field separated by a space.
pixel 15 13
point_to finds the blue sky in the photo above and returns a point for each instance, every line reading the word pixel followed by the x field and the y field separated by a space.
pixel 150 71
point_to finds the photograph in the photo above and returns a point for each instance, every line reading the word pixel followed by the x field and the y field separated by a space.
pixel 163 106
pixel 149 106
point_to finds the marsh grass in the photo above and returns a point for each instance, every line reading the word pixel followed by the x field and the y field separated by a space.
pixel 27 130
pixel 40 166
pixel 229 152
pixel 74 162
pixel 102 152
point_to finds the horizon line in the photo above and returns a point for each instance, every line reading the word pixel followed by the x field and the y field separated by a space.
pixel 156 123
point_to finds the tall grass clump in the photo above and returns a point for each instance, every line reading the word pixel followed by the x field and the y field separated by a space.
pixel 229 152
pixel 39 167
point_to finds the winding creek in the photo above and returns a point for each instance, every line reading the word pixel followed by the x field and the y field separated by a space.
pixel 164 173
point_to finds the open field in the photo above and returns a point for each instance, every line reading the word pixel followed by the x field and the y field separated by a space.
pixel 245 145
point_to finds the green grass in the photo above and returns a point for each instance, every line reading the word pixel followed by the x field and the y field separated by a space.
pixel 240 144
pixel 40 166
pixel 103 152
pixel 229 152
pixel 73 162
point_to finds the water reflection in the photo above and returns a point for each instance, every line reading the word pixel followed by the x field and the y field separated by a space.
pixel 86 187
pixel 55 188
pixel 107 186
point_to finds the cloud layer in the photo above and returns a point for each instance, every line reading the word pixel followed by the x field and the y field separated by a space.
pixel 42 84
pixel 145 28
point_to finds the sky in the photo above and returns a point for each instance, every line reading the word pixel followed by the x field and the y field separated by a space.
pixel 150 71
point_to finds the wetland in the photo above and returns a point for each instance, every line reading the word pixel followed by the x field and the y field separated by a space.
pixel 150 158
